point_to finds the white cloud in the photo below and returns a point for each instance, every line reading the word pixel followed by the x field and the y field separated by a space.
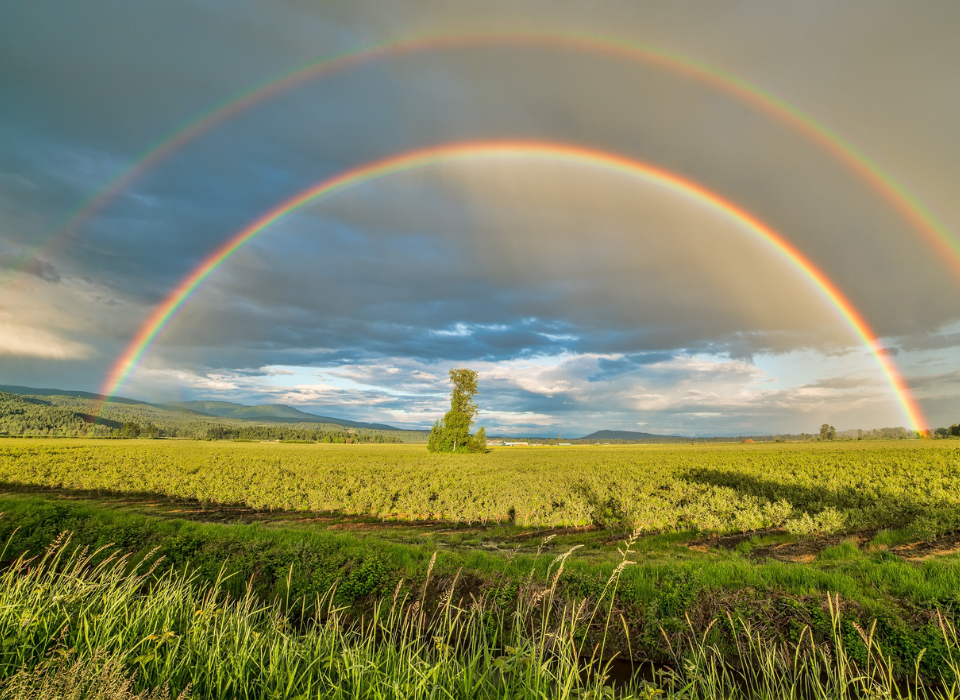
pixel 516 419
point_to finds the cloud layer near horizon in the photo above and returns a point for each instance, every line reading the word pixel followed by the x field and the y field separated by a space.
pixel 586 299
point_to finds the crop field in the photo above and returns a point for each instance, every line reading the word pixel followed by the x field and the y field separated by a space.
pixel 806 489
pixel 764 570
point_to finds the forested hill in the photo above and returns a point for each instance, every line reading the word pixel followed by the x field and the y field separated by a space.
pixel 27 414
pixel 52 412
pixel 33 391
pixel 269 413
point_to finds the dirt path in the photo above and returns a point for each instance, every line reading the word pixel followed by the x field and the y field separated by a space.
pixel 444 533
pixel 500 536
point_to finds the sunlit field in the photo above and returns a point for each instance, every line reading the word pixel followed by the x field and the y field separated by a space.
pixel 806 489
pixel 315 570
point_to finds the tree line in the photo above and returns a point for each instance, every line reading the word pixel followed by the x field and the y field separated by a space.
pixel 277 432
pixel 952 431
pixel 207 431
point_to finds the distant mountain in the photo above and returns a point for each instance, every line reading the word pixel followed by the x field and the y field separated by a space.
pixel 272 412
pixel 266 413
pixel 31 391
pixel 210 408
pixel 629 435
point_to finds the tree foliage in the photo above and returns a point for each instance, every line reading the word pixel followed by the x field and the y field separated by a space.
pixel 130 430
pixel 452 433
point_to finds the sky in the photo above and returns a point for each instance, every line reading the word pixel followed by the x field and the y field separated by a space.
pixel 586 299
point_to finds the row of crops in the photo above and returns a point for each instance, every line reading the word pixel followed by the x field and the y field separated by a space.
pixel 808 489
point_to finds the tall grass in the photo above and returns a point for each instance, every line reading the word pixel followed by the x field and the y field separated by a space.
pixel 67 676
pixel 75 617
pixel 806 670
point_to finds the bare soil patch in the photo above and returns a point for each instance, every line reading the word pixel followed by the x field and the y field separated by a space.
pixel 923 550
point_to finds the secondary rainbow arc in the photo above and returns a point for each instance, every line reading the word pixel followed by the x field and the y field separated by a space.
pixel 165 312
pixel 908 205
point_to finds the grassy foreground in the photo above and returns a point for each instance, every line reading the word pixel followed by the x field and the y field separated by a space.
pixel 711 612
pixel 70 624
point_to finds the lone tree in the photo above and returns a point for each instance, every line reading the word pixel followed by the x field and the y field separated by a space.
pixel 452 434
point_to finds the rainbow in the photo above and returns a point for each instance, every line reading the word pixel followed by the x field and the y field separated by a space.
pixel 486 150
pixel 909 207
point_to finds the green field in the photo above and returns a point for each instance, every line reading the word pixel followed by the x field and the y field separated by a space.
pixel 805 488
pixel 734 551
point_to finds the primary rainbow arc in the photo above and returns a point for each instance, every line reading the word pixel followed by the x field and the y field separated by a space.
pixel 410 160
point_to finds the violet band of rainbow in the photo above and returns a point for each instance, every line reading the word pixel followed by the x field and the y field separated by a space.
pixel 894 193
pixel 410 160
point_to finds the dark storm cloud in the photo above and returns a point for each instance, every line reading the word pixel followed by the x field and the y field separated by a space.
pixel 932 341
pixel 844 383
pixel 409 290
pixel 610 368
pixel 934 381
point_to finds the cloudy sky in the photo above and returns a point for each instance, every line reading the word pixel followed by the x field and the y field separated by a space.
pixel 586 299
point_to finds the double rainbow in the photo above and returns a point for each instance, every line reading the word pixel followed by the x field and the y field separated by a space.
pixel 487 150
pixel 910 208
